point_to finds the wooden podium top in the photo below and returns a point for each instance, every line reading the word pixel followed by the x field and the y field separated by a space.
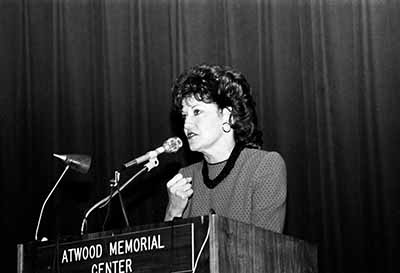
pixel 204 244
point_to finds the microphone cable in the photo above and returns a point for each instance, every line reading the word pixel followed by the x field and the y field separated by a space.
pixel 203 245
pixel 47 199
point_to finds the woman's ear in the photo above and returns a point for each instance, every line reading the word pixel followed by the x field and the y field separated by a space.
pixel 227 114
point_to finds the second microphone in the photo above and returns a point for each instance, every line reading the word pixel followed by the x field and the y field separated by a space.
pixel 171 145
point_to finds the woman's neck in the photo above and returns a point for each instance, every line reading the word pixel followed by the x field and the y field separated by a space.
pixel 219 153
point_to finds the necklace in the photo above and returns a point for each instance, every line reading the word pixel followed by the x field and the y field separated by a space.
pixel 225 171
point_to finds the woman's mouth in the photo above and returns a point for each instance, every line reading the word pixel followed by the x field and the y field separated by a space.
pixel 190 135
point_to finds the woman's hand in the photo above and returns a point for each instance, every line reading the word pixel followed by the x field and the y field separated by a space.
pixel 179 190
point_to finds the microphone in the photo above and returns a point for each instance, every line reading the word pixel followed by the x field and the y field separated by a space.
pixel 77 162
pixel 171 145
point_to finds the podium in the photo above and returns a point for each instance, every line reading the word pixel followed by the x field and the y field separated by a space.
pixel 210 243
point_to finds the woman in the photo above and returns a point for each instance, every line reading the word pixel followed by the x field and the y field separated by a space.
pixel 236 179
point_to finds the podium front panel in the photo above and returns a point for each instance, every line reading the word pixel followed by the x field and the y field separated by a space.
pixel 163 249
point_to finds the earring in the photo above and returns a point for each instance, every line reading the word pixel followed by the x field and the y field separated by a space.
pixel 226 127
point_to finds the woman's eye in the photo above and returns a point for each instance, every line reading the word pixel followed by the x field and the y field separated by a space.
pixel 196 112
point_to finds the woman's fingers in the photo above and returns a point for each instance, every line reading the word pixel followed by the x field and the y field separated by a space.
pixel 174 179
pixel 184 194
pixel 180 186
pixel 179 183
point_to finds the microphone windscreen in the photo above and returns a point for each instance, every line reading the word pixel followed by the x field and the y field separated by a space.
pixel 78 162
pixel 172 144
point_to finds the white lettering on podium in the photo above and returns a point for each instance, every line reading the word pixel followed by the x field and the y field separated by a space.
pixel 118 266
pixel 139 244
pixel 120 247
pixel 82 253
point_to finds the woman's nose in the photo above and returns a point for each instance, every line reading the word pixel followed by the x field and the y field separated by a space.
pixel 187 122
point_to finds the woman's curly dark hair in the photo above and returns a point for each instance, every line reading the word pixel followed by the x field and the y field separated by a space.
pixel 227 88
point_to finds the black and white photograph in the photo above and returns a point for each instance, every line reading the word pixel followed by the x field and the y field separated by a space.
pixel 203 136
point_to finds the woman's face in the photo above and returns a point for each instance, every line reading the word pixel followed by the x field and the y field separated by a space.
pixel 203 125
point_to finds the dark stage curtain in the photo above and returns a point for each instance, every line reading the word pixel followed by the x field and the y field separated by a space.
pixel 93 77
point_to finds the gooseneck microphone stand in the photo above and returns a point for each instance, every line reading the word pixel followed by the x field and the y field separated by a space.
pixel 153 162
pixel 47 198
pixel 114 187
